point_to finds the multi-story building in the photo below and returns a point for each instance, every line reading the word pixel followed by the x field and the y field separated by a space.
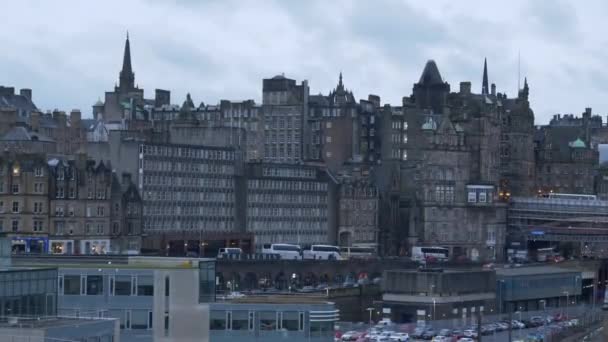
pixel 290 204
pixel 126 217
pixel 174 299
pixel 284 112
pixel 80 198
pixel 24 201
pixel 566 161
pixel 190 198
pixel 358 207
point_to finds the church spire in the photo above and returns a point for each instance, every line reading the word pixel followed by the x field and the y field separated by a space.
pixel 340 84
pixel 127 77
pixel 484 86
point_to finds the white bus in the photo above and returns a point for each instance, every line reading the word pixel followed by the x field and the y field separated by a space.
pixel 424 253
pixel 283 250
pixel 322 252
pixel 358 252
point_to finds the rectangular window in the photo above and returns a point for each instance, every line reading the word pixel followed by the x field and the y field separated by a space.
pixel 290 321
pixel 122 285
pixel 15 188
pixel 15 225
pixel 100 211
pixel 145 286
pixel 94 285
pixel 472 197
pixel 15 207
pixel 38 172
pixel 240 320
pixel 71 285
pixel 268 320
pixel 482 197
pixel 217 320
pixel 37 226
pixel 72 192
pixel 139 319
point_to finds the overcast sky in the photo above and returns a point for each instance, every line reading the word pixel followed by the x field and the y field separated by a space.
pixel 70 52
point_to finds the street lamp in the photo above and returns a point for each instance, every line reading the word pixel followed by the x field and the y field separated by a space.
pixel 371 311
pixel 567 299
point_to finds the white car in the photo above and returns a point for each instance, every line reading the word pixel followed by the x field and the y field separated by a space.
pixel 470 333
pixel 400 337
pixel 350 336
pixel 466 339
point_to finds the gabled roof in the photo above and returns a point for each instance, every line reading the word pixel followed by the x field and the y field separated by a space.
pixel 578 143
pixel 430 124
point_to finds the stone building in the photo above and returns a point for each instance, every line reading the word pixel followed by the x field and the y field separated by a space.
pixel 358 204
pixel 24 202
pixel 440 170
pixel 21 104
pixel 290 204
pixel 126 103
pixel 566 160
pixel 80 201
pixel 284 112
pixel 126 217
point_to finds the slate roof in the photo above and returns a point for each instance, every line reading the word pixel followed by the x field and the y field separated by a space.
pixel 20 133
pixel 430 74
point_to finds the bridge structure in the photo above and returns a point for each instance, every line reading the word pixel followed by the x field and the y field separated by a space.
pixel 583 222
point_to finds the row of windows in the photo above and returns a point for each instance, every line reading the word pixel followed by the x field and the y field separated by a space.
pixel 288 172
pixel 173 166
pixel 283 224
pixel 90 211
pixel 188 152
pixel 60 192
pixel 286 185
pixel 90 228
pixel 286 212
pixel 225 211
pixel 266 320
pixel 274 198
pixel 358 220
pixel 16 188
pixel 347 204
pixel 226 195
pixel 205 182
pixel 204 223
pixel 97 285
pixel 15 226
pixel 283 137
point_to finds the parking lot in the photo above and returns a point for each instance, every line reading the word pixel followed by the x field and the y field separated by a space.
pixel 526 326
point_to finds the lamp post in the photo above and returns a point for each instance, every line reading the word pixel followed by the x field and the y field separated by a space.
pixel 567 300
pixel 371 311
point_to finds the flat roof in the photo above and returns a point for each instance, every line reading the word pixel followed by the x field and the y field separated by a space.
pixel 47 322
pixel 295 298
pixel 108 261
pixel 532 270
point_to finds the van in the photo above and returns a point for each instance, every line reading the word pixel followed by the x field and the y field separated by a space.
pixel 229 253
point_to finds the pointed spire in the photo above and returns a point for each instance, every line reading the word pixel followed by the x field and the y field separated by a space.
pixel 340 80
pixel 127 78
pixel 484 86
pixel 430 74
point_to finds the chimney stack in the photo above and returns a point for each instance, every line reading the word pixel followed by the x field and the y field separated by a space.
pixel 35 121
pixel 75 117
pixel 27 93
pixel 493 87
pixel 465 88
pixel 375 99
pixel 162 97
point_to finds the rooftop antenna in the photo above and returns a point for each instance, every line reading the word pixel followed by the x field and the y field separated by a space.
pixel 518 71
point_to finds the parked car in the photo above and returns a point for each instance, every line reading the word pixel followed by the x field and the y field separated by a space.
pixel 470 333
pixel 350 336
pixel 445 332
pixel 418 332
pixel 466 339
pixel 428 334
pixel 229 252
pixel 400 337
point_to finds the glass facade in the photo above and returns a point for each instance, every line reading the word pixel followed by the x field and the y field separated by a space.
pixel 30 293
pixel 206 283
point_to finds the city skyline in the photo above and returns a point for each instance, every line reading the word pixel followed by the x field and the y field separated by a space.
pixel 226 54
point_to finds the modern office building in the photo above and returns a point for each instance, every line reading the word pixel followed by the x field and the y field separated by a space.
pixel 273 318
pixel 174 299
pixel 534 288
pixel 428 295
pixel 290 204
pixel 190 198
